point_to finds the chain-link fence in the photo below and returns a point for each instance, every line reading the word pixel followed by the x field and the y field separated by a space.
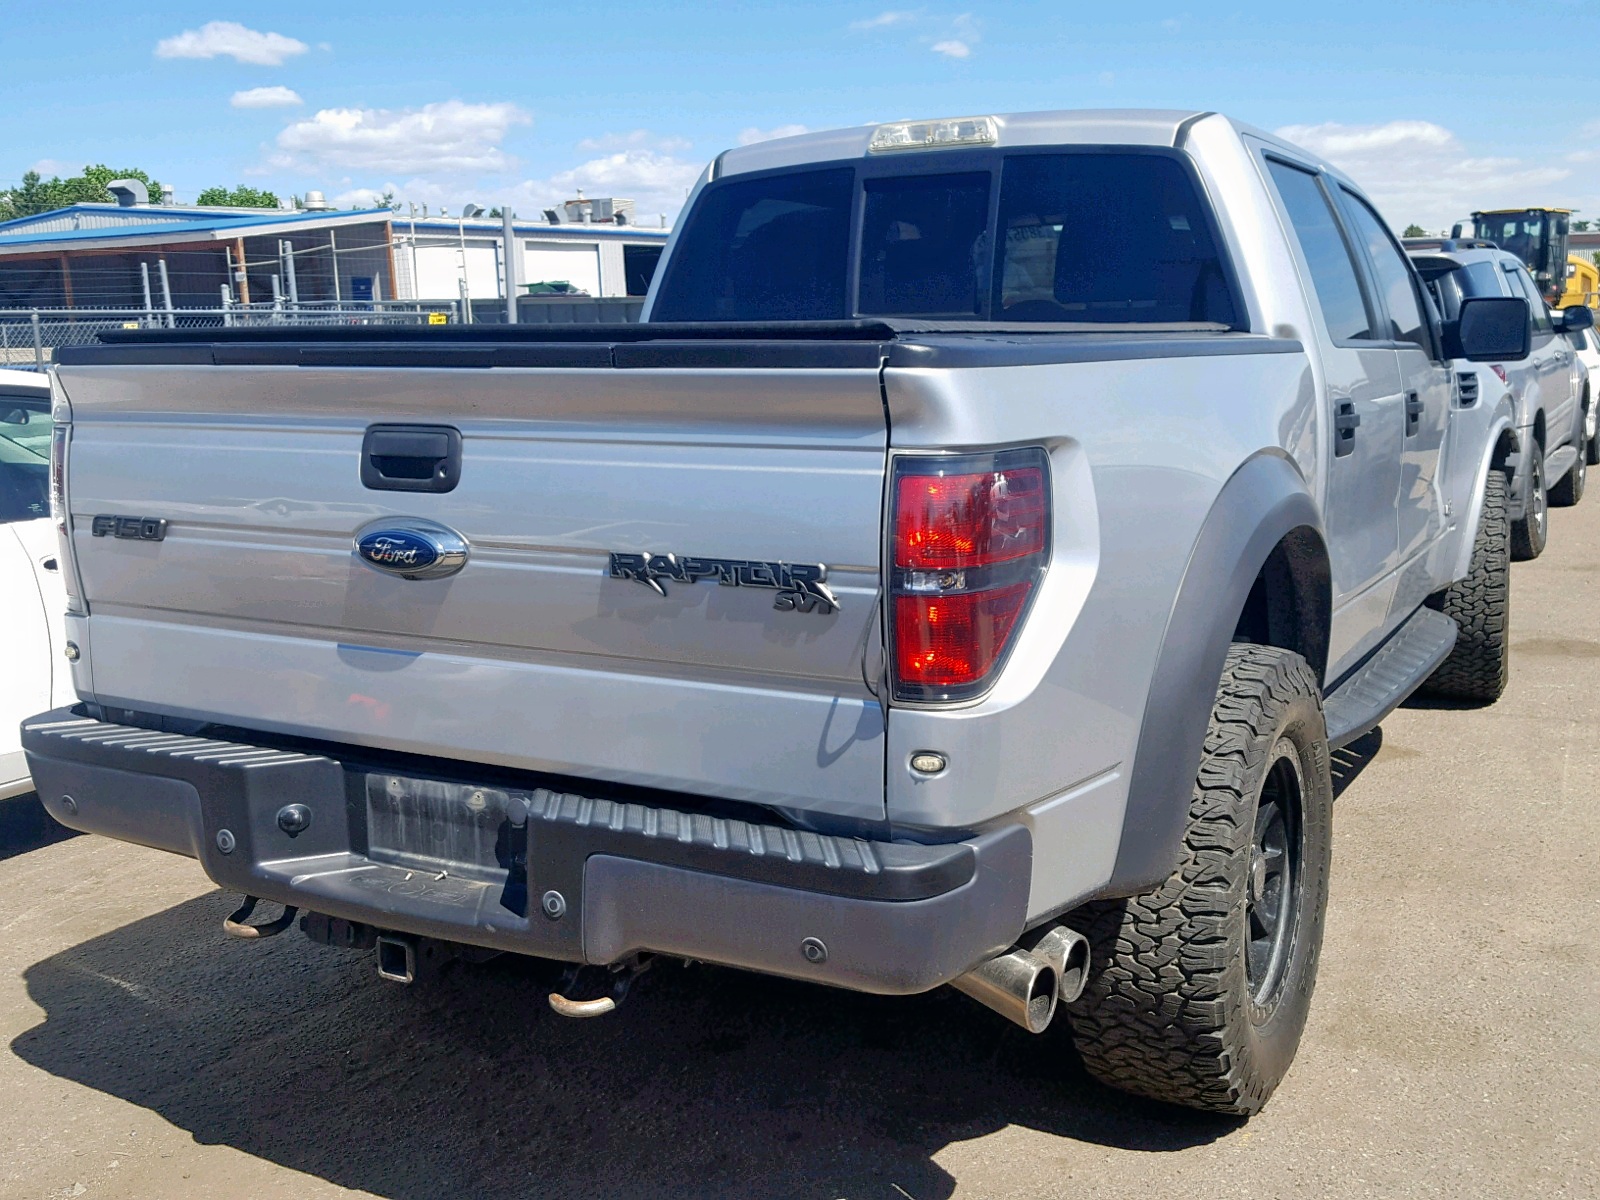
pixel 29 338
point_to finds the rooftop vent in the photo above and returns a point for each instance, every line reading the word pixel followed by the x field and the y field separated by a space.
pixel 317 202
pixel 128 192
pixel 166 195
pixel 599 211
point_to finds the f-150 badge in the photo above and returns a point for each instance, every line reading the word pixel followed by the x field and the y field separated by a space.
pixel 801 587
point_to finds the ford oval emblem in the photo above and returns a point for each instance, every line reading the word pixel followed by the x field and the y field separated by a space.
pixel 411 549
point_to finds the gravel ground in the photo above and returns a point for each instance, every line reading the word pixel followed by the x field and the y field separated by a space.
pixel 1453 1049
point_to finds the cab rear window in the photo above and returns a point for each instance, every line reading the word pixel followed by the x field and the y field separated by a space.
pixel 1098 238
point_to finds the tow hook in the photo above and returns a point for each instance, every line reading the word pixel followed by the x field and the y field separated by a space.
pixel 234 925
pixel 622 976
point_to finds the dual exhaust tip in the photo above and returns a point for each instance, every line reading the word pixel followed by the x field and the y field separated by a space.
pixel 1025 985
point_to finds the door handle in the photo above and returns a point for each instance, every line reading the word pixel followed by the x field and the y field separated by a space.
pixel 1345 422
pixel 411 458
pixel 1413 413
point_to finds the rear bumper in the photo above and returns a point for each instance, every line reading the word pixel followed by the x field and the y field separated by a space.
pixel 456 860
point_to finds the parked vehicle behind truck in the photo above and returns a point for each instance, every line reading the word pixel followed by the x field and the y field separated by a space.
pixel 961 576
pixel 1550 385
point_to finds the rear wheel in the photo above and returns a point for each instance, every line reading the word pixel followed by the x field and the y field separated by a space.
pixel 1570 490
pixel 1528 535
pixel 1480 605
pixel 1199 991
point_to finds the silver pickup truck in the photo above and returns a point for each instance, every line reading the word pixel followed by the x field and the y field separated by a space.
pixel 961 577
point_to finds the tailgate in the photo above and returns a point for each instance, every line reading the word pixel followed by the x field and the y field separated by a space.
pixel 544 651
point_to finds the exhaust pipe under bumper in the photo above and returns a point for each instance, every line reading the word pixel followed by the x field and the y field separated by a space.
pixel 1025 984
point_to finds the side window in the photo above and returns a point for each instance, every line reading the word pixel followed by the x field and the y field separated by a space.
pixel 1523 283
pixel 1333 272
pixel 1479 279
pixel 24 460
pixel 1394 275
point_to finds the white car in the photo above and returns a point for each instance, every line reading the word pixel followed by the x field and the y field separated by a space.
pixel 32 598
pixel 1588 346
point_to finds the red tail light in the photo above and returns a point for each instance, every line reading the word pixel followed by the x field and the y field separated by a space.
pixel 971 537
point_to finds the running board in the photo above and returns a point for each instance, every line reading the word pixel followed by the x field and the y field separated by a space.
pixel 1559 463
pixel 1391 673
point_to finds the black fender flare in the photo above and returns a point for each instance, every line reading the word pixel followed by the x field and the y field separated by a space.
pixel 1262 502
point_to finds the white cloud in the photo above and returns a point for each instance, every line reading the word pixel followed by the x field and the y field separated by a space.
pixel 361 197
pixel 884 19
pixel 51 167
pixel 657 183
pixel 445 137
pixel 229 39
pixel 752 135
pixel 954 37
pixel 266 97
pixel 1416 171
pixel 638 139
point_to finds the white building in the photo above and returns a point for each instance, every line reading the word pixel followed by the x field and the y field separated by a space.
pixel 435 257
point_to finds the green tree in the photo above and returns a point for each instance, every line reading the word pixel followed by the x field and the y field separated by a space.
pixel 1415 230
pixel 238 197
pixel 37 195
pixel 1581 226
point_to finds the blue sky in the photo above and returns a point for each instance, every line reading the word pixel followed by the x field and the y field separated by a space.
pixel 1436 108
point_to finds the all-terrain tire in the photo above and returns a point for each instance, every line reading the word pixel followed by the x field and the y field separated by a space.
pixel 1480 664
pixel 1531 532
pixel 1570 490
pixel 1170 1010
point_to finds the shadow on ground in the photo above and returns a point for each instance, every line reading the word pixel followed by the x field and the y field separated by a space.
pixel 706 1083
pixel 1347 762
pixel 25 826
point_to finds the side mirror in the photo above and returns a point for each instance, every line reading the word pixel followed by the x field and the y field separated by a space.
pixel 15 416
pixel 1574 319
pixel 1490 329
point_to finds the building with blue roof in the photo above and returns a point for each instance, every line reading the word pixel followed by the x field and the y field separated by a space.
pixel 136 255
pixel 102 255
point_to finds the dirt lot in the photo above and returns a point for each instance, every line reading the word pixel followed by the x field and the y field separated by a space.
pixel 1454 1046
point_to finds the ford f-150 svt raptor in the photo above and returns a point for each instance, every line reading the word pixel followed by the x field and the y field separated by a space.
pixel 961 576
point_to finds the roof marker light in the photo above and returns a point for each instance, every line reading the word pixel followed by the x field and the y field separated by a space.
pixel 933 135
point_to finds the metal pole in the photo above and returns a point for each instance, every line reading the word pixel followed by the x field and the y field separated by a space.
pixel 333 250
pixel 166 291
pixel 144 278
pixel 416 286
pixel 38 342
pixel 288 272
pixel 508 237
pixel 227 305
pixel 466 290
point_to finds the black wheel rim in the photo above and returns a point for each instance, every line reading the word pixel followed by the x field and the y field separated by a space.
pixel 1272 887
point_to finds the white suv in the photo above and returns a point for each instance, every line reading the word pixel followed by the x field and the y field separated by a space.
pixel 32 598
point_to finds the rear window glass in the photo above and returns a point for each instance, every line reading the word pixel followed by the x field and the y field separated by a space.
pixel 1096 238
pixel 925 246
pixel 1450 283
pixel 769 249
pixel 1109 239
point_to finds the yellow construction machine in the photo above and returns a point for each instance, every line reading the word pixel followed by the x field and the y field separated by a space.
pixel 1538 236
